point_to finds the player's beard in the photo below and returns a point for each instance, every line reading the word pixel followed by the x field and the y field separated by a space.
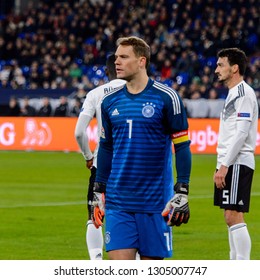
pixel 224 80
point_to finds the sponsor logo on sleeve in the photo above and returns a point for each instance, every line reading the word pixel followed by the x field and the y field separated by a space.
pixel 243 115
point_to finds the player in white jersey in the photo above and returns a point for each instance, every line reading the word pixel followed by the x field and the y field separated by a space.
pixel 236 145
pixel 91 109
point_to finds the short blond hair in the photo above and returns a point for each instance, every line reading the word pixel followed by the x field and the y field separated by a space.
pixel 140 47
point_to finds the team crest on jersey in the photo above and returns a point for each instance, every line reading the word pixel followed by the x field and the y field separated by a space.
pixel 107 237
pixel 148 109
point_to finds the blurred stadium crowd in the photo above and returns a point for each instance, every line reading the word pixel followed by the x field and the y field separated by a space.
pixel 64 44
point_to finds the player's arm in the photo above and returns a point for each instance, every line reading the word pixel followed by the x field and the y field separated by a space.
pixel 86 115
pixel 238 140
pixel 82 138
pixel 105 151
pixel 182 156
pixel 104 163
pixel 177 208
pixel 243 124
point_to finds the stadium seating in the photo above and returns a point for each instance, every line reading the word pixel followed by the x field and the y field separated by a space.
pixel 182 78
pixel 188 48
pixel 197 108
pixel 215 107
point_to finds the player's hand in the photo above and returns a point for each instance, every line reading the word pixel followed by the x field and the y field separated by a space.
pixel 89 163
pixel 219 177
pixel 98 204
pixel 177 209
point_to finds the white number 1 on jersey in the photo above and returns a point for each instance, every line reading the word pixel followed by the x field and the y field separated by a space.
pixel 130 122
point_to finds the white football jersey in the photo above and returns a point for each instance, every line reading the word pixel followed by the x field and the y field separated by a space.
pixel 240 105
pixel 92 104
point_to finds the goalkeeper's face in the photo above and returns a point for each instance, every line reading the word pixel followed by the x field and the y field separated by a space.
pixel 128 65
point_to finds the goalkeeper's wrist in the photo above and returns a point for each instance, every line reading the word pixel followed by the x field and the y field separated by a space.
pixel 182 188
pixel 99 187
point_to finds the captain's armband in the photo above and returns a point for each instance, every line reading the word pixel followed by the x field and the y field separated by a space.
pixel 180 136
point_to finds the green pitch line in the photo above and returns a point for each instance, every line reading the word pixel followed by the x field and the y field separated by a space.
pixel 63 203
pixel 43 210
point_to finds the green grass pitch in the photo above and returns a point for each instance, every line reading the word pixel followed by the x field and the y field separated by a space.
pixel 43 210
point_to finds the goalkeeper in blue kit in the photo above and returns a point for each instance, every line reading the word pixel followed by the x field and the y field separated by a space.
pixel 134 185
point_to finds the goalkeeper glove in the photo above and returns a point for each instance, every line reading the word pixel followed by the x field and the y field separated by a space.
pixel 98 204
pixel 177 209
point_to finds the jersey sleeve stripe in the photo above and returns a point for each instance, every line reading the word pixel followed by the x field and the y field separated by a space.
pixel 173 95
pixel 241 90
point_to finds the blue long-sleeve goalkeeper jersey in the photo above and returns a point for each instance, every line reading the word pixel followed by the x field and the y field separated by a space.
pixel 135 153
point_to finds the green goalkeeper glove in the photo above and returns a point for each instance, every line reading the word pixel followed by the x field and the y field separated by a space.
pixel 98 204
pixel 177 209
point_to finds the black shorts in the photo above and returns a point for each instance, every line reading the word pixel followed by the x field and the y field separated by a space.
pixel 236 194
pixel 91 186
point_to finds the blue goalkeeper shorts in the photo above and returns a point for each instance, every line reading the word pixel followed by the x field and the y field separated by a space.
pixel 148 233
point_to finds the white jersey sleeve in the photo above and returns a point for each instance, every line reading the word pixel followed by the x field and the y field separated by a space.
pixel 82 136
pixel 238 141
pixel 92 108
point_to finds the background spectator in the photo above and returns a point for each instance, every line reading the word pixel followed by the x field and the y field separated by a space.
pixel 61 44
pixel 26 109
pixel 74 112
pixel 46 109
pixel 62 110
pixel 14 107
